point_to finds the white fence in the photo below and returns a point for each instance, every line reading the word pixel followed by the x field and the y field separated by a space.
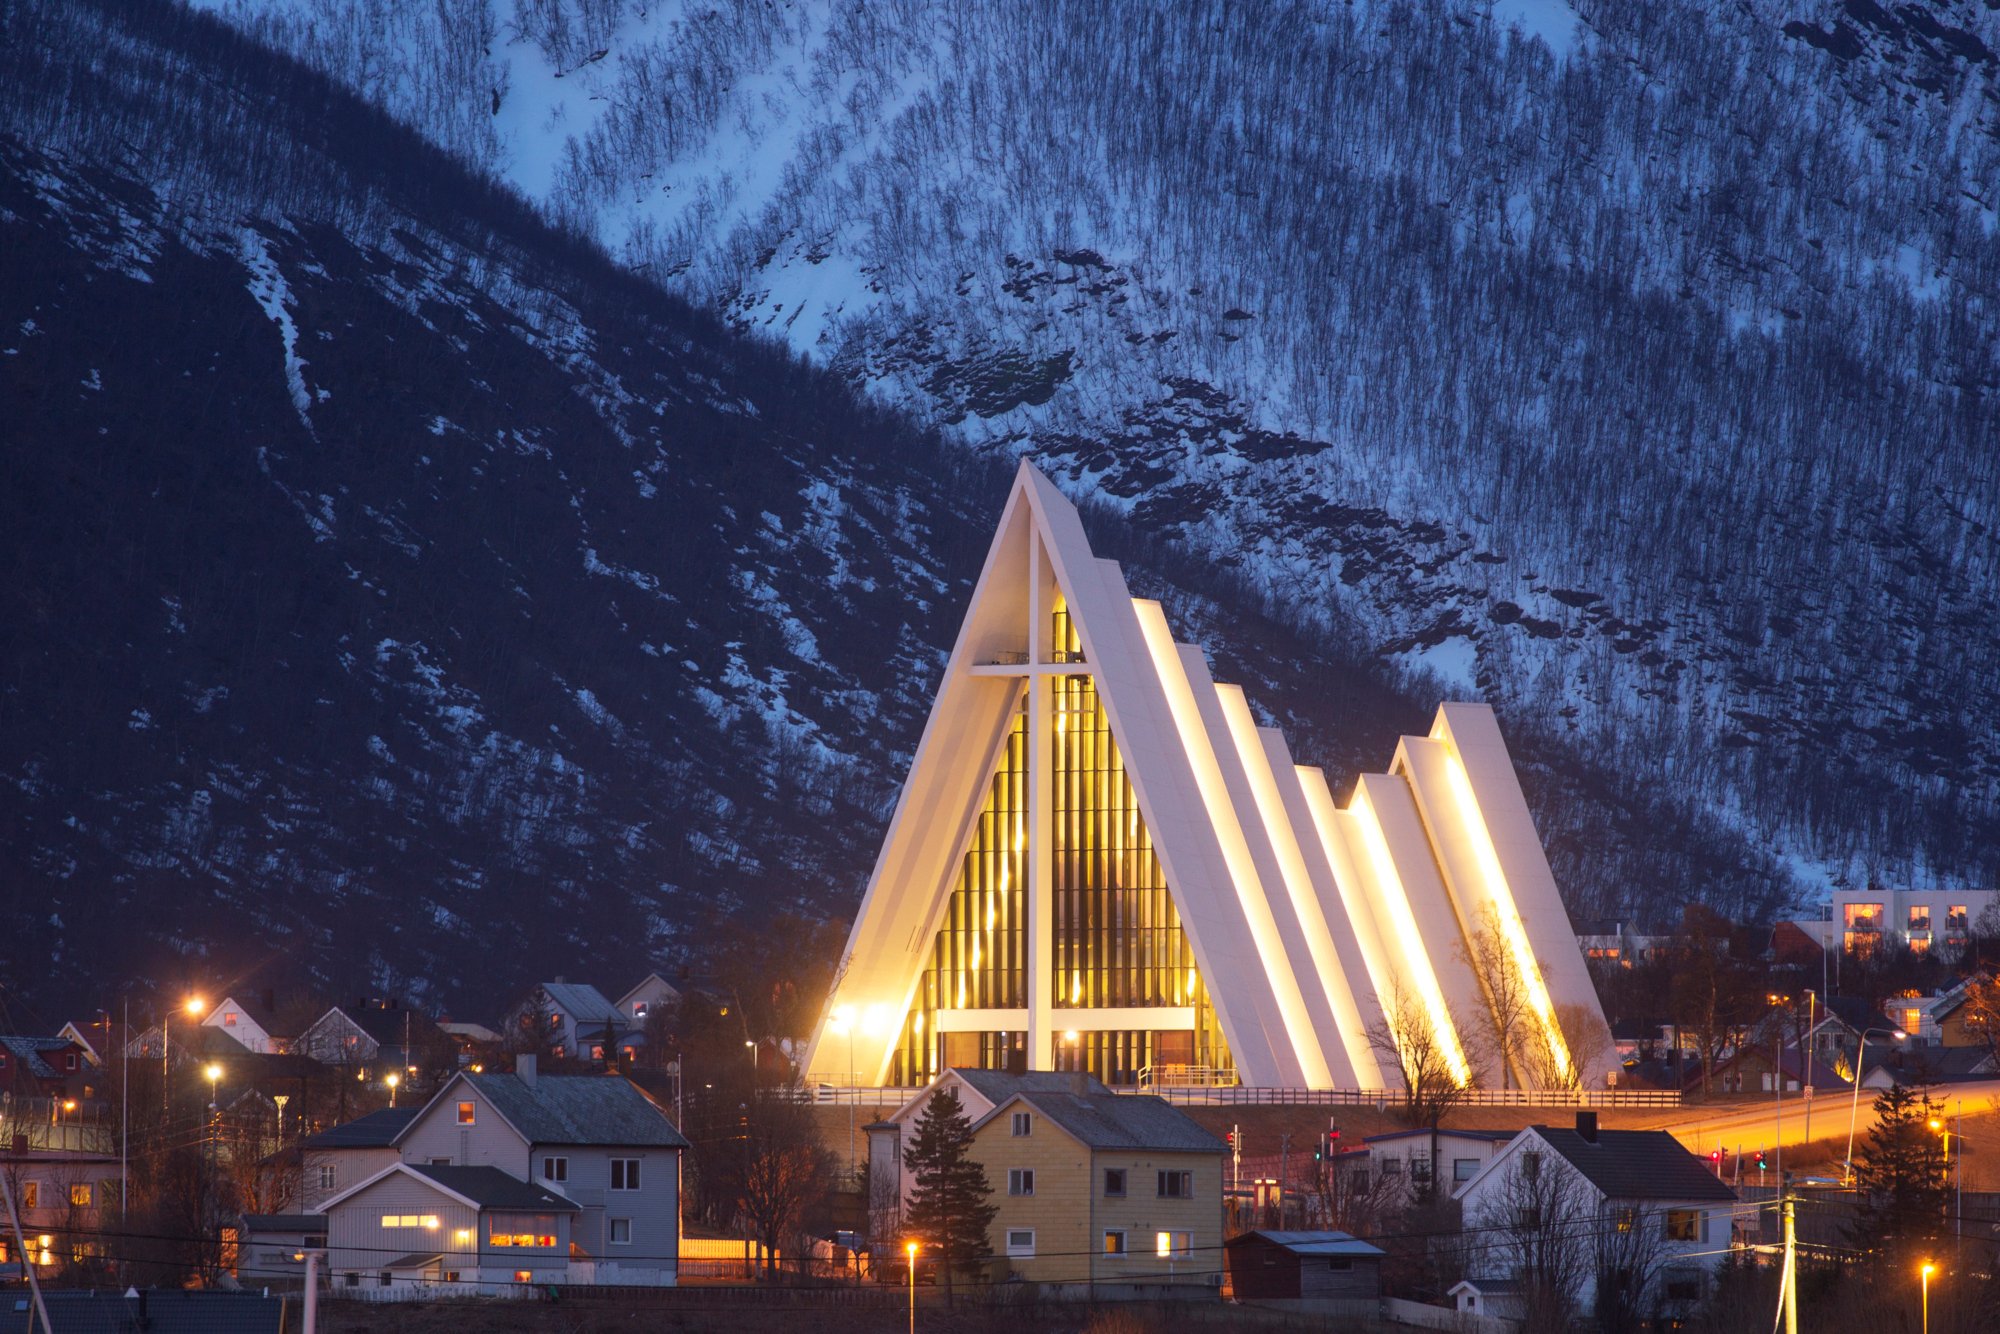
pixel 1245 1095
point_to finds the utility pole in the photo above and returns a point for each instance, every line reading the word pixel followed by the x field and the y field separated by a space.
pixel 1778 1080
pixel 1791 1270
pixel 1236 1161
pixel 1812 1009
pixel 1284 1166
pixel 312 1290
pixel 27 1260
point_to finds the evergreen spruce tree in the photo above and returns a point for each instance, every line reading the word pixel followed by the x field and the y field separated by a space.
pixel 948 1212
pixel 1901 1176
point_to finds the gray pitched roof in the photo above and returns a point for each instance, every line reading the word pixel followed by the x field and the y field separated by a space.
pixel 1499 1136
pixel 255 1223
pixel 578 1109
pixel 1315 1243
pixel 493 1189
pixel 1636 1164
pixel 29 1052
pixel 996 1086
pixel 580 1001
pixel 168 1311
pixel 377 1130
pixel 1119 1121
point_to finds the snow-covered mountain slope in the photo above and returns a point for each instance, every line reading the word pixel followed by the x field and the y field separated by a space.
pixel 1633 365
pixel 403 594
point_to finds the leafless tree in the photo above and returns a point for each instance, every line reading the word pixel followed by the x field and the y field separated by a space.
pixel 1585 1040
pixel 786 1170
pixel 1542 1219
pixel 1408 1039
pixel 1509 1014
pixel 1629 1248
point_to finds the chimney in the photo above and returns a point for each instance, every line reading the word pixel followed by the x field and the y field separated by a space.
pixel 1079 1083
pixel 1586 1126
pixel 559 979
pixel 524 1068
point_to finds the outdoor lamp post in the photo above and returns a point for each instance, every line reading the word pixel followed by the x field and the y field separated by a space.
pixel 194 1005
pixel 392 1079
pixel 1854 1102
pixel 1925 1273
pixel 842 1021
pixel 910 1256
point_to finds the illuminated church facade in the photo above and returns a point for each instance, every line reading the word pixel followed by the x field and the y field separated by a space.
pixel 1100 862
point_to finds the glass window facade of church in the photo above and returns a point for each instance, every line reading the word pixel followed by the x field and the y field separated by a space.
pixel 1117 940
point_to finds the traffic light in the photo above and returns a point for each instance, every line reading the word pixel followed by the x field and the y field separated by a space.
pixel 1760 1160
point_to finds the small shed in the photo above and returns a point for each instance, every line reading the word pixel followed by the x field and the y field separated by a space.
pixel 1497 1297
pixel 1276 1266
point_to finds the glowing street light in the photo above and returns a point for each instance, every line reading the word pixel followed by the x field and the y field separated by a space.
pixel 1926 1273
pixel 1854 1102
pixel 213 1073
pixel 392 1079
pixel 910 1256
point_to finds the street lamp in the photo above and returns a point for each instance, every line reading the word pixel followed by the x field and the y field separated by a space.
pixel 1854 1102
pixel 194 1005
pixel 392 1079
pixel 1926 1273
pixel 842 1021
pixel 910 1258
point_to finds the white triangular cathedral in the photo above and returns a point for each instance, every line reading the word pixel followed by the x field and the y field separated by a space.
pixel 1100 862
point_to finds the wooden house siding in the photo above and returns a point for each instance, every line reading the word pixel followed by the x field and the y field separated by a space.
pixel 1070 1213
pixel 357 1243
pixel 488 1142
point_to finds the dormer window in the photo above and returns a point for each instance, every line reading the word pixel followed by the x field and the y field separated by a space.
pixel 229 1018
pixel 639 1009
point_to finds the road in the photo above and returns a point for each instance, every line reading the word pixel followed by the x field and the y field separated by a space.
pixel 1748 1127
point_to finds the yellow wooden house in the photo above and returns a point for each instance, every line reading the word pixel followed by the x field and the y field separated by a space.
pixel 1101 1189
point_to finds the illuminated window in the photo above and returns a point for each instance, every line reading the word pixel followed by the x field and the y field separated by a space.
pixel 79 1194
pixel 409 1220
pixel 1114 1242
pixel 1625 1218
pixel 229 1018
pixel 1020 1181
pixel 1023 1123
pixel 1863 924
pixel 31 1195
pixel 1683 1225
pixel 466 1113
pixel 524 1275
pixel 1173 1245
pixel 521 1231
pixel 624 1174
pixel 1920 918
pixel 1116 932
pixel 639 1009
pixel 1176 1185
pixel 1955 921
pixel 1912 1019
